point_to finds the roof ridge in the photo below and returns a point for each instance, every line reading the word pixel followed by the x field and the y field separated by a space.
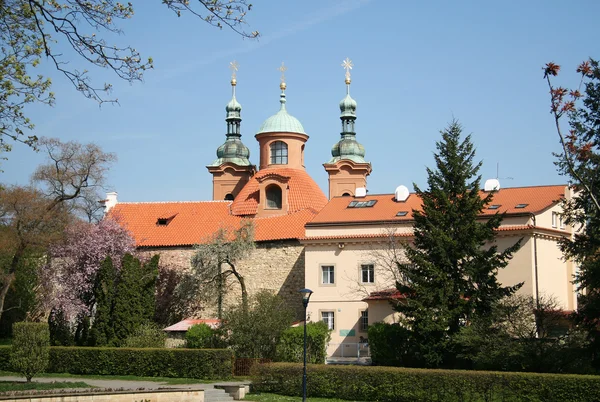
pixel 172 202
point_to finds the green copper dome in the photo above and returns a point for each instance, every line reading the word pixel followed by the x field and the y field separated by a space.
pixel 348 106
pixel 233 150
pixel 348 148
pixel 282 121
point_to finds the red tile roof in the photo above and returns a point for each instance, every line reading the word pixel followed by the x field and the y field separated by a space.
pixel 194 222
pixel 385 209
pixel 387 294
pixel 184 325
pixel 303 191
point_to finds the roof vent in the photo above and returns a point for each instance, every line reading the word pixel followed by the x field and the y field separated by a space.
pixel 491 185
pixel 360 192
pixel 401 193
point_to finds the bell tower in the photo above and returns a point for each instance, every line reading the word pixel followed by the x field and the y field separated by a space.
pixel 232 168
pixel 347 169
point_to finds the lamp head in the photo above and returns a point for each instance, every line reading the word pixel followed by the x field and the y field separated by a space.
pixel 306 296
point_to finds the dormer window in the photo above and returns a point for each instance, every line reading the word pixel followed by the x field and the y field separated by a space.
pixel 273 193
pixel 162 222
pixel 279 153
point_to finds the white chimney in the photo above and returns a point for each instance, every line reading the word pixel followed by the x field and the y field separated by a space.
pixel 111 201
pixel 401 194
pixel 491 185
pixel 360 192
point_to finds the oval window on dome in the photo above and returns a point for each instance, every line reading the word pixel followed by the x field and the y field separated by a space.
pixel 279 153
pixel 273 193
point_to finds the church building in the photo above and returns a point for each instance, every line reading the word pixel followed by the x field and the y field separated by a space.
pixel 344 247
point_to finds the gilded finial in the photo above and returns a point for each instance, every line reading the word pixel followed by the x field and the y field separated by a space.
pixel 282 69
pixel 347 64
pixel 234 66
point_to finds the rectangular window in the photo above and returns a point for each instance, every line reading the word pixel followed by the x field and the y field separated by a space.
pixel 554 218
pixel 364 320
pixel 561 222
pixel 327 275
pixel 367 273
pixel 328 318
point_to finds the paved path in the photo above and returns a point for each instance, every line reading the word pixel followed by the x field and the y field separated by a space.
pixel 122 384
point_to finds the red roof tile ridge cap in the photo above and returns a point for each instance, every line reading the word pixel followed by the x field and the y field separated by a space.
pixel 172 202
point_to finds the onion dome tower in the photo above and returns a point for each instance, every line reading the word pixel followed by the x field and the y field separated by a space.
pixel 232 168
pixel 281 185
pixel 347 169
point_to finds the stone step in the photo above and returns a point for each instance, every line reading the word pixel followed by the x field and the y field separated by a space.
pixel 216 395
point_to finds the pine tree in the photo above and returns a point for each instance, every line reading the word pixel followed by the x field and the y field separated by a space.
pixel 102 332
pixel 451 277
pixel 148 295
pixel 127 313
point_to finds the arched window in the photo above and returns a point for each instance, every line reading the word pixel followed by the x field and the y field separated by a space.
pixel 279 153
pixel 346 195
pixel 273 196
pixel 229 197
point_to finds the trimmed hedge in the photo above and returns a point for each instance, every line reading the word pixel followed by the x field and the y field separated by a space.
pixel 291 344
pixel 209 364
pixel 402 384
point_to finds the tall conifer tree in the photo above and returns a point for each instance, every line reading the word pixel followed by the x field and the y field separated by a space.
pixel 451 277
pixel 102 332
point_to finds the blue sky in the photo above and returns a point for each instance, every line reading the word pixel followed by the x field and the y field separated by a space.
pixel 418 65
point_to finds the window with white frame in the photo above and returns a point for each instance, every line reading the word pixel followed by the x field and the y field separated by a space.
pixel 329 319
pixel 554 219
pixel 364 320
pixel 327 274
pixel 561 222
pixel 367 273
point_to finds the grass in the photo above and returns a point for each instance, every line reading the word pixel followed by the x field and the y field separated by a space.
pixel 9 386
pixel 280 398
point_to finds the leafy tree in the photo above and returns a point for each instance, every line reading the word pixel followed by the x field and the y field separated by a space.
pixel 451 278
pixel 32 29
pixel 71 278
pixel 216 260
pixel 255 332
pixel 199 336
pixel 33 217
pixel 580 161
pixel 30 354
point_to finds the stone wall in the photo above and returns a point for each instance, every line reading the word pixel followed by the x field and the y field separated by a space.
pixel 276 266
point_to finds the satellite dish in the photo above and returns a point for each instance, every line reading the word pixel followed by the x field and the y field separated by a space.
pixel 491 185
pixel 401 193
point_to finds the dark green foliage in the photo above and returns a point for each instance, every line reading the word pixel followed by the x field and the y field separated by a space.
pixel 391 345
pixel 210 364
pixel 21 297
pixel 291 343
pixel 147 335
pixel 451 278
pixel 255 333
pixel 199 336
pixel 102 332
pixel 60 329
pixel 134 300
pixel 401 384
pixel 29 355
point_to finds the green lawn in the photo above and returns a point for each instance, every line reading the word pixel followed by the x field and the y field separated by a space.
pixel 7 386
pixel 280 398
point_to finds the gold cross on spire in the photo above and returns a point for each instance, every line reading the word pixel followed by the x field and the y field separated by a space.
pixel 234 66
pixel 282 69
pixel 347 64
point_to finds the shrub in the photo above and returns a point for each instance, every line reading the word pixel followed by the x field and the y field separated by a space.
pixel 404 384
pixel 199 336
pixel 209 364
pixel 31 341
pixel 291 344
pixel 390 345
pixel 147 335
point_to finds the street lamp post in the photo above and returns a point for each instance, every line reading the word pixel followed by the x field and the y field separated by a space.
pixel 305 298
